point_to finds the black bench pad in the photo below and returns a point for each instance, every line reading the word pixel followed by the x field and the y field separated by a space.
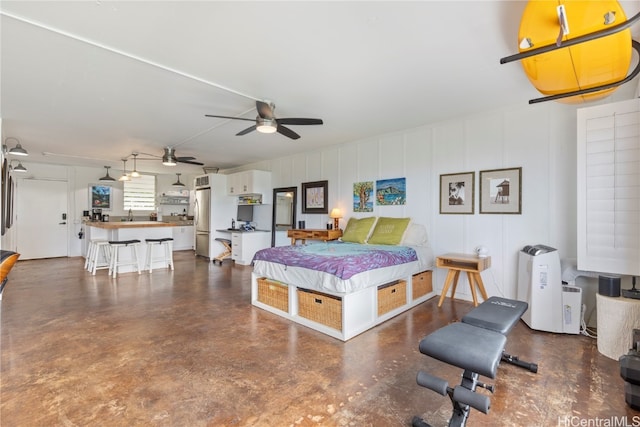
pixel 496 314
pixel 466 346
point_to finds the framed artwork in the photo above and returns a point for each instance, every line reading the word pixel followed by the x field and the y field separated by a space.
pixel 315 197
pixel 457 193
pixel 501 191
pixel 391 191
pixel 363 196
pixel 100 196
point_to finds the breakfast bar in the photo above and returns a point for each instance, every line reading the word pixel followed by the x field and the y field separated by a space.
pixel 131 230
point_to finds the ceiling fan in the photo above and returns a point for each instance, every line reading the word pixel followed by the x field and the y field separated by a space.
pixel 169 158
pixel 266 121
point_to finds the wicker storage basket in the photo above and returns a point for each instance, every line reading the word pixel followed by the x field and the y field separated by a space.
pixel 392 295
pixel 273 294
pixel 421 284
pixel 321 308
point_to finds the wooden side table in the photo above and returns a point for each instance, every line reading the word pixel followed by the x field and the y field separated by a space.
pixel 305 234
pixel 456 263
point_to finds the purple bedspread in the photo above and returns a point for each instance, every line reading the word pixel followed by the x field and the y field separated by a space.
pixel 338 258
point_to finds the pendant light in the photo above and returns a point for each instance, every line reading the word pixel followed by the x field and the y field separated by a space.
pixel 107 177
pixel 19 168
pixel 134 172
pixel 124 176
pixel 17 150
pixel 178 183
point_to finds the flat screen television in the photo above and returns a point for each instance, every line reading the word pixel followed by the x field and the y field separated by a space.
pixel 245 213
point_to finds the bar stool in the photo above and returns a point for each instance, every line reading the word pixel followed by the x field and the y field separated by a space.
pixel 224 254
pixel 93 262
pixel 167 244
pixel 116 262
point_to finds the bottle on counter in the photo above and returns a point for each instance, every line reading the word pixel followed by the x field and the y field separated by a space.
pixel 233 224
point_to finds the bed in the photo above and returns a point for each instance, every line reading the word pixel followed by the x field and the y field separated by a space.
pixel 343 288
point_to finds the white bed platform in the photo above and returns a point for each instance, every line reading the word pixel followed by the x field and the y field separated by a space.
pixel 341 315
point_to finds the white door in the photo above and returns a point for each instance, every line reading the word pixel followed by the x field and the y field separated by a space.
pixel 41 218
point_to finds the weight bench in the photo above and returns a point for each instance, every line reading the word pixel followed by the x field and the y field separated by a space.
pixel 476 344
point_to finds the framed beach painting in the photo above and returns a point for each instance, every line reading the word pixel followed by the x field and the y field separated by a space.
pixel 457 193
pixel 501 191
pixel 391 191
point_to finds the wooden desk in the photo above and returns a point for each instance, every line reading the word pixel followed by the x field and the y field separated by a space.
pixel 456 263
pixel 311 234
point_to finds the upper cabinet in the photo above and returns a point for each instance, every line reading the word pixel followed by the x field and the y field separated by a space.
pixel 251 182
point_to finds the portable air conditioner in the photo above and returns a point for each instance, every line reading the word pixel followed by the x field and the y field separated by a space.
pixel 553 307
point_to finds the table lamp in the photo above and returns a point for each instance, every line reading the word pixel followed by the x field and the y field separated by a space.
pixel 336 215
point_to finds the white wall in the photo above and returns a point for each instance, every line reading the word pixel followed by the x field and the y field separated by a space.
pixel 539 138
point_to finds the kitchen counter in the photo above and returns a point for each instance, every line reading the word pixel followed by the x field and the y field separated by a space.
pixel 131 224
pixel 130 230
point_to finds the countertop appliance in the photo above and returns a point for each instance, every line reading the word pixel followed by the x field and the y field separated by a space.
pixel 553 306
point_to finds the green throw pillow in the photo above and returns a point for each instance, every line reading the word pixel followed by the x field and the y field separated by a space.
pixel 389 231
pixel 357 230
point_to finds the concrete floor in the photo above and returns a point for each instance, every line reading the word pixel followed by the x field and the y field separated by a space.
pixel 186 348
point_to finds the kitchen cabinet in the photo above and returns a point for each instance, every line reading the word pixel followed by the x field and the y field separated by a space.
pixel 183 238
pixel 244 245
pixel 250 182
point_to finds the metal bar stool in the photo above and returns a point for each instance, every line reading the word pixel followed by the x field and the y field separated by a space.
pixel 115 246
pixel 227 250
pixel 167 244
pixel 94 259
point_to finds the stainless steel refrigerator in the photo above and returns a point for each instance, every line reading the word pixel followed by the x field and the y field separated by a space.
pixel 202 221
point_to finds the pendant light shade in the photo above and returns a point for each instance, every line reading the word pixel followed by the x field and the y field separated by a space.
pixel 19 168
pixel 107 177
pixel 178 183
pixel 17 150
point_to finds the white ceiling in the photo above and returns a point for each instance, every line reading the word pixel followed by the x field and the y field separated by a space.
pixel 94 81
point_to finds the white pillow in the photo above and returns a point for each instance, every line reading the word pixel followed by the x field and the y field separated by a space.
pixel 415 235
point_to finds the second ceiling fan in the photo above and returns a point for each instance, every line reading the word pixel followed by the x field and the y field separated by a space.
pixel 266 121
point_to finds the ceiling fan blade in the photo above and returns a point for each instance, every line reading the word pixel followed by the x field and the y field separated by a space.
pixel 191 162
pixel 185 158
pixel 287 132
pixel 229 117
pixel 300 121
pixel 264 110
pixel 246 131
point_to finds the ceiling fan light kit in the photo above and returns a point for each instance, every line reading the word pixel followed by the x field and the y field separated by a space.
pixel 168 158
pixel 266 125
pixel 266 121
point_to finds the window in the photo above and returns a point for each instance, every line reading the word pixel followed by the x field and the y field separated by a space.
pixel 140 193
